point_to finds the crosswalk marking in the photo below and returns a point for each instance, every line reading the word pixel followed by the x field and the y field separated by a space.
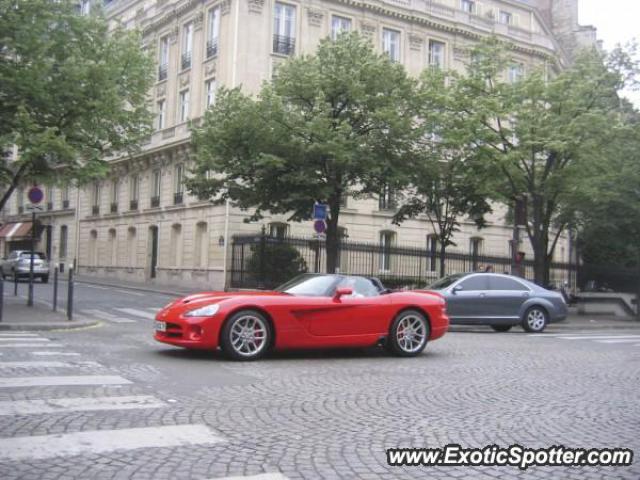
pixel 138 313
pixel 18 335
pixel 47 354
pixel 600 337
pixel 622 340
pixel 20 339
pixel 30 345
pixel 64 405
pixel 603 339
pixel 100 441
pixel 66 380
pixel 107 316
pixel 35 364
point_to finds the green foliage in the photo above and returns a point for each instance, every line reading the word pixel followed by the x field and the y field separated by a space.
pixel 335 123
pixel 275 263
pixel 71 91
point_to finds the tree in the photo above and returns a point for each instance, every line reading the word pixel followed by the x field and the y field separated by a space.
pixel 71 92
pixel 331 124
pixel 447 182
pixel 537 133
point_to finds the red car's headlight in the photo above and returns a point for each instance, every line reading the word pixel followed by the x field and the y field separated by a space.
pixel 208 311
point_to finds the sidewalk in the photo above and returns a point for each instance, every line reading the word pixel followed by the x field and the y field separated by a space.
pixel 17 316
pixel 143 287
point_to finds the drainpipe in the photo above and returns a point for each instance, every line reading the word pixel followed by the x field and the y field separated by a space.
pixel 76 260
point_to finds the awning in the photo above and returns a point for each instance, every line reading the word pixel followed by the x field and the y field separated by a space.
pixel 16 231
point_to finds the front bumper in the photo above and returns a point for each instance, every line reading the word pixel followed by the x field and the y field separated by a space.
pixel 196 333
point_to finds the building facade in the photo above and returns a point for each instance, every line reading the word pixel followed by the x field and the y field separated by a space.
pixel 141 224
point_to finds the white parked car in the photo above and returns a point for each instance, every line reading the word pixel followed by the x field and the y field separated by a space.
pixel 17 265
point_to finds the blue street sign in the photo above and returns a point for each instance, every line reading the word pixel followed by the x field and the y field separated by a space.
pixel 35 195
pixel 320 211
pixel 319 226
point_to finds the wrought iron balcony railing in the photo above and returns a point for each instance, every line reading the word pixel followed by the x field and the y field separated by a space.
pixel 284 45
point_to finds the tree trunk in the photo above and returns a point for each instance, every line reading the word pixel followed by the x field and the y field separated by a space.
pixel 12 186
pixel 443 250
pixel 333 243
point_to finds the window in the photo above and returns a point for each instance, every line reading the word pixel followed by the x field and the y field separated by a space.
pixel 468 6
pixel 64 238
pixel 432 247
pixel 475 283
pixel 85 7
pixel 114 196
pixel 386 242
pixel 284 29
pixel 503 283
pixel 161 114
pixel 20 199
pixel 210 88
pixel 506 17
pixel 516 72
pixel 475 247
pixel 176 242
pixel 213 31
pixel 134 189
pixel 183 106
pixel 113 248
pixel 387 199
pixel 95 197
pixel 200 248
pixel 65 196
pixel 436 54
pixel 163 60
pixel 49 196
pixel 131 247
pixel 187 45
pixel 156 178
pixel 391 44
pixel 339 25
pixel 93 248
pixel 179 184
pixel 278 230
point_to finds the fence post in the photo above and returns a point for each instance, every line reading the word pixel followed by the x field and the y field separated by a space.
pixel 263 244
pixel 70 295
pixel 1 295
pixel 55 289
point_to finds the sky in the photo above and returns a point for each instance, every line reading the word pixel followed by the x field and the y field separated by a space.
pixel 617 21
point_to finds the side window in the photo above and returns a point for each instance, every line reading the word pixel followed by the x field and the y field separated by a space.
pixel 475 283
pixel 501 283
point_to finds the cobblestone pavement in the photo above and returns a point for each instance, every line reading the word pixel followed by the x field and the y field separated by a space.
pixel 176 414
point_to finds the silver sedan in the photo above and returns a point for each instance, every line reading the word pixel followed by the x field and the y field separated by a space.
pixel 501 301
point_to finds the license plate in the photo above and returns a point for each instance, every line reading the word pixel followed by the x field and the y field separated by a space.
pixel 161 326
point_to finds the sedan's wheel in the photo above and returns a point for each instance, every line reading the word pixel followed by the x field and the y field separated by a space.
pixel 501 328
pixel 409 334
pixel 246 335
pixel 535 320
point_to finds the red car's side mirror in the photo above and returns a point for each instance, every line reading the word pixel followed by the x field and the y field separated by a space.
pixel 341 292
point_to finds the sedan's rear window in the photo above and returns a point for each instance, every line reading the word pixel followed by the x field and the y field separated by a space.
pixel 36 255
pixel 502 283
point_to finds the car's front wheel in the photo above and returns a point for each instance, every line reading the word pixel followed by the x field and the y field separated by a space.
pixel 408 334
pixel 501 328
pixel 535 320
pixel 246 335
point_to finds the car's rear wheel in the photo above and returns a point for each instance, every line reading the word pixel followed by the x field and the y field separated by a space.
pixel 535 320
pixel 246 335
pixel 408 334
pixel 501 328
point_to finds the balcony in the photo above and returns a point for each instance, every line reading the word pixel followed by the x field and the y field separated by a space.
pixel 155 202
pixel 65 204
pixel 133 205
pixel 186 60
pixel 284 45
pixel 162 72
pixel 212 48
pixel 178 198
pixel 49 205
pixel 21 210
pixel 95 210
pixel 114 207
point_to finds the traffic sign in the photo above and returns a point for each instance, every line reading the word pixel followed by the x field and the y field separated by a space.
pixel 319 226
pixel 319 211
pixel 35 195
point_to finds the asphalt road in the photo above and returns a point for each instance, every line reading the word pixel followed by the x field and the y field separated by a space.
pixel 109 402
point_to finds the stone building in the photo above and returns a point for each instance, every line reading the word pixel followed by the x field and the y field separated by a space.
pixel 140 224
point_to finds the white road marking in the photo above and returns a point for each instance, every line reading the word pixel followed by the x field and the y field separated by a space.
pixel 19 335
pixel 97 287
pixel 601 337
pixel 31 345
pixel 107 316
pixel 45 354
pixel 129 292
pixel 137 313
pixel 100 441
pixel 35 364
pixel 262 476
pixel 62 380
pixel 622 340
pixel 20 339
pixel 64 405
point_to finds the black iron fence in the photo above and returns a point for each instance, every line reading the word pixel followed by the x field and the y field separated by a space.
pixel 263 261
pixel 605 278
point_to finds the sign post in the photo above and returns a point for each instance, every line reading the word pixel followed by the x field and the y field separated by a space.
pixel 35 196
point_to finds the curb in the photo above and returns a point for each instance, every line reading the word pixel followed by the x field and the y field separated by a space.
pixel 41 326
pixel 131 287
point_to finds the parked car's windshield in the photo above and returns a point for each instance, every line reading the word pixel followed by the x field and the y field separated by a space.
pixel 446 281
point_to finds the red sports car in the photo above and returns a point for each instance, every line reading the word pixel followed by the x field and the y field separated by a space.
pixel 310 311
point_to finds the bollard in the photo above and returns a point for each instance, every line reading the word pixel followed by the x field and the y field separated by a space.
pixel 70 296
pixel 1 295
pixel 15 284
pixel 55 289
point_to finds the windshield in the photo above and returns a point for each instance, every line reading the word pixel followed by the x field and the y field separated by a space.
pixel 35 255
pixel 310 285
pixel 446 281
